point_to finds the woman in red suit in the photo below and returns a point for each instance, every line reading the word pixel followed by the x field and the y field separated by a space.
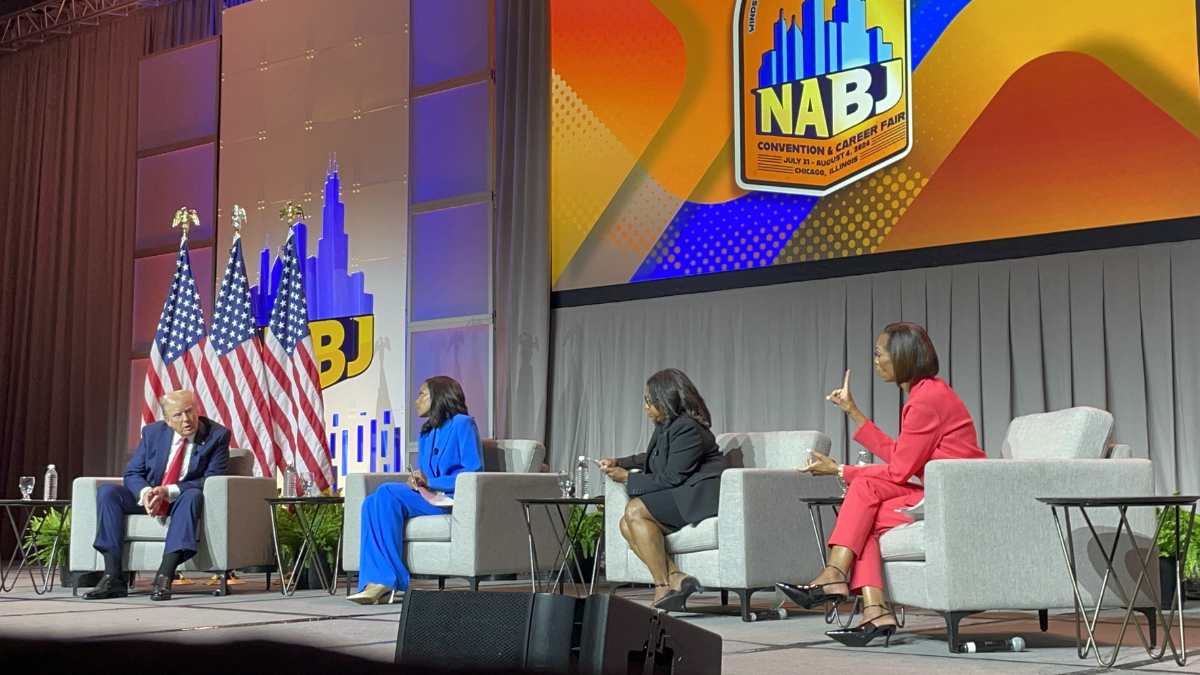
pixel 934 424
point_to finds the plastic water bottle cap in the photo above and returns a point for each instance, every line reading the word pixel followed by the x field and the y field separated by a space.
pixel 50 467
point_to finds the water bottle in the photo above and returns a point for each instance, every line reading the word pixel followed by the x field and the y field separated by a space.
pixel 1013 644
pixel 50 485
pixel 289 481
pixel 581 478
pixel 864 458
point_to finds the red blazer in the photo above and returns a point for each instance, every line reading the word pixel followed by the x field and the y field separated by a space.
pixel 934 424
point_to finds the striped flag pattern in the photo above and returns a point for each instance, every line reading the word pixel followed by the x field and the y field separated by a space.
pixel 232 386
pixel 293 380
pixel 176 354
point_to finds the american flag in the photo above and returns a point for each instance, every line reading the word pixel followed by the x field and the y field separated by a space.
pixel 293 381
pixel 232 385
pixel 176 353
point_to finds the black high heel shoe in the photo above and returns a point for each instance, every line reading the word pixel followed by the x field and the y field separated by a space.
pixel 862 634
pixel 811 595
pixel 675 601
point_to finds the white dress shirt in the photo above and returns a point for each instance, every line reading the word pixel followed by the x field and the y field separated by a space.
pixel 173 490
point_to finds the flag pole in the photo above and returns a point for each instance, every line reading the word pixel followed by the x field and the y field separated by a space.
pixel 290 214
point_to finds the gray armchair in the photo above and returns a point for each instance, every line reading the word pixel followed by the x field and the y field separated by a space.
pixel 484 534
pixel 986 542
pixel 235 528
pixel 761 534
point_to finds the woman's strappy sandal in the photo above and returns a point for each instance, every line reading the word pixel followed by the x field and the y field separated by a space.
pixel 862 634
pixel 675 601
pixel 811 595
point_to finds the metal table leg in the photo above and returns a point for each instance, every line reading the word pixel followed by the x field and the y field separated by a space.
pixel 1066 539
pixel 22 559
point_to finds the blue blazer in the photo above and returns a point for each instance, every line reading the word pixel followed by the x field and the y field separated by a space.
pixel 448 450
pixel 210 456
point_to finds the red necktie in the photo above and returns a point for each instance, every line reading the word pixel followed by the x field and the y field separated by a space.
pixel 171 477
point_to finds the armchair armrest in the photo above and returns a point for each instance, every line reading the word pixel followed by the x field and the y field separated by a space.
pixel 764 531
pixel 83 557
pixel 487 531
pixel 616 549
pixel 236 523
pixel 989 544
pixel 357 487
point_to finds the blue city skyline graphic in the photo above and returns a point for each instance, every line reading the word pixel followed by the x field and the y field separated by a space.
pixel 816 46
pixel 366 443
pixel 332 292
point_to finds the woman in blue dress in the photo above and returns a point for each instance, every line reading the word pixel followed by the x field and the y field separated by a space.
pixel 449 445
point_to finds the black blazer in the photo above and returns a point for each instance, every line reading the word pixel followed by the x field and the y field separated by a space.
pixel 682 458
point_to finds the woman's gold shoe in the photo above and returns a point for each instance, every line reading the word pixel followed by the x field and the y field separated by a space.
pixel 373 594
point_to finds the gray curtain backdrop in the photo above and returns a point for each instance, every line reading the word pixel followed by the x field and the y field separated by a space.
pixel 522 264
pixel 1116 329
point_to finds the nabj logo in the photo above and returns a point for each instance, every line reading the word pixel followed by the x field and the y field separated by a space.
pixel 821 92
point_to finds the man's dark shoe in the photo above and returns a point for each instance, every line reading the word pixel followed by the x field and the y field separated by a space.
pixel 162 588
pixel 108 587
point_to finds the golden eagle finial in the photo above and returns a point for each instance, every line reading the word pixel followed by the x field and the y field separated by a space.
pixel 239 220
pixel 185 219
pixel 291 213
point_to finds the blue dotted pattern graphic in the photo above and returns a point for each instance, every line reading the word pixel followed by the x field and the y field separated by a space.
pixel 750 231
pixel 740 234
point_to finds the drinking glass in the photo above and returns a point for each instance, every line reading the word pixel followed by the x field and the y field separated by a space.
pixel 26 486
pixel 309 485
pixel 565 485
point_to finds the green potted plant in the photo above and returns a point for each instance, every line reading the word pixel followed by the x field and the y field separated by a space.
pixel 1189 559
pixel 585 529
pixel 39 537
pixel 326 533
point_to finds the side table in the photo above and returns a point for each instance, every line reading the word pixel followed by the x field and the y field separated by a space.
pixel 311 514
pixel 24 557
pixel 1170 505
pixel 565 556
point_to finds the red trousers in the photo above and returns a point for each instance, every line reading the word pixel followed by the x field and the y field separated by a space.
pixel 868 511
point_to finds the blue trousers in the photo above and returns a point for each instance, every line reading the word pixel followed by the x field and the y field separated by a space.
pixel 384 514
pixel 114 502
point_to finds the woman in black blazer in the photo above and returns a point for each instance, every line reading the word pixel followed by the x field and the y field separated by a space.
pixel 676 482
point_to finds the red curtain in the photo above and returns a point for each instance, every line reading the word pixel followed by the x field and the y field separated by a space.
pixel 68 124
pixel 68 120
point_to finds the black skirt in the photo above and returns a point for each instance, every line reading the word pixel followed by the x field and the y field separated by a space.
pixel 662 506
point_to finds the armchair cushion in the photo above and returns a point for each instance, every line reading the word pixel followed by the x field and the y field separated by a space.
pixel 1074 433
pixel 148 528
pixel 771 449
pixel 428 528
pixel 691 538
pixel 906 542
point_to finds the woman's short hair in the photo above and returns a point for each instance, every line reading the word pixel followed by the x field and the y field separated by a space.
pixel 911 351
pixel 446 399
pixel 672 393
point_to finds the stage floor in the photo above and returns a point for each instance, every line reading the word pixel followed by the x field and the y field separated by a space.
pixel 791 645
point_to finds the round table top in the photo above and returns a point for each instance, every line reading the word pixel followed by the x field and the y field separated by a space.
pixel 305 500
pixel 1152 500
pixel 35 502
pixel 550 501
pixel 823 501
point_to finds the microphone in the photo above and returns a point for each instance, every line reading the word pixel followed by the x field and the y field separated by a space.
pixel 768 614
pixel 1013 644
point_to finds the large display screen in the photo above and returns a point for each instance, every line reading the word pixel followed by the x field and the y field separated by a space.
pixel 694 137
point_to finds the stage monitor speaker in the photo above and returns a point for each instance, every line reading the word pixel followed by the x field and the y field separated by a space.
pixel 544 633
pixel 622 637
pixel 474 631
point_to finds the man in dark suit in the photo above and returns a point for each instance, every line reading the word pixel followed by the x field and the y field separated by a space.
pixel 164 479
